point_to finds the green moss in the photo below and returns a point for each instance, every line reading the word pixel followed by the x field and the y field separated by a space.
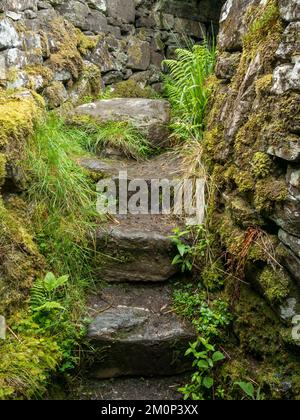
pixel 131 89
pixel 86 43
pixel 20 261
pixel 261 165
pixel 54 95
pixel 67 58
pixel 244 181
pixel 26 363
pixel 274 284
pixel 17 119
pixel 264 84
pixel 262 37
pixel 2 168
pixel 268 192
pixel 232 237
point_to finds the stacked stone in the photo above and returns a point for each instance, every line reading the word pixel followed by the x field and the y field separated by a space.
pixel 256 111
pixel 124 39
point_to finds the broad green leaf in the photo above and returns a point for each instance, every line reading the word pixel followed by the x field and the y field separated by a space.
pixel 208 382
pixel 202 364
pixel 247 387
pixel 218 356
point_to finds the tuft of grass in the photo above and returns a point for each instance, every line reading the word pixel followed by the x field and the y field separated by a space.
pixel 62 198
pixel 123 136
pixel 187 90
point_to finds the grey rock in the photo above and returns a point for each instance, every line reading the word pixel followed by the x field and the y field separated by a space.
pixel 21 80
pixel 112 77
pixel 287 216
pixel 2 67
pixel 227 64
pixel 19 5
pixel 144 338
pixel 291 241
pixel 121 9
pixel 14 15
pixel 15 58
pixel 290 261
pixel 290 10
pixel 190 28
pixel 232 25
pixel 293 181
pixel 138 54
pixel 164 21
pixel 9 37
pixel 106 55
pixel 100 5
pixel 82 17
pixel 286 77
pixel 150 116
pixel 290 44
pixel 141 238
pixel 289 151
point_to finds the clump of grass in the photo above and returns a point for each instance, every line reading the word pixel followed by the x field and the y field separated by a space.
pixel 187 89
pixel 121 136
pixel 61 197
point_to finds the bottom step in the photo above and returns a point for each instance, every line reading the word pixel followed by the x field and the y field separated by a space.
pixel 130 389
pixel 135 333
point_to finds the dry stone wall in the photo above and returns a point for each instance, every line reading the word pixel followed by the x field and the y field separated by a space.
pixel 252 145
pixel 60 48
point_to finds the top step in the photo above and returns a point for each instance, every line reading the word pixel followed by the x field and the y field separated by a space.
pixel 150 116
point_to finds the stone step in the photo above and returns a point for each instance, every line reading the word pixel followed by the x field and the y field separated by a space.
pixel 136 333
pixel 150 116
pixel 129 389
pixel 165 166
pixel 136 248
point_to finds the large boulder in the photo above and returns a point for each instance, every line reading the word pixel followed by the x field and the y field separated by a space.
pixel 150 116
pixel 136 333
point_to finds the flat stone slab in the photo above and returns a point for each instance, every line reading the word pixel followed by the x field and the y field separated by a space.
pixel 127 389
pixel 165 166
pixel 150 116
pixel 136 333
pixel 136 248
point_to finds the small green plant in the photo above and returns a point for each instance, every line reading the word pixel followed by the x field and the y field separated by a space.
pixel 205 360
pixel 44 294
pixel 249 391
pixel 191 245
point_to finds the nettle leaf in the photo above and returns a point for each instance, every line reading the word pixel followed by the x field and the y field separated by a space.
pixel 218 356
pixel 247 387
pixel 208 382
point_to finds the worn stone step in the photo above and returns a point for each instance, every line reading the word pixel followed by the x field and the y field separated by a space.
pixel 165 166
pixel 136 248
pixel 136 333
pixel 150 116
pixel 127 389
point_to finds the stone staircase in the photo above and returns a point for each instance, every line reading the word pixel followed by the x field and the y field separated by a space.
pixel 134 330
